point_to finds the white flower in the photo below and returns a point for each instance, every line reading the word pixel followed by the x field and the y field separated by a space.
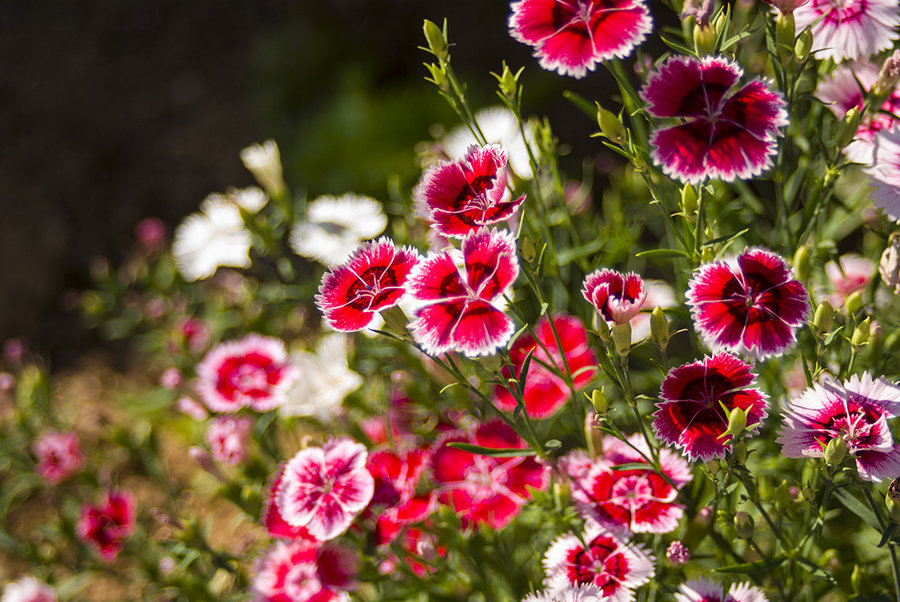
pixel 336 226
pixel 499 126
pixel 250 199
pixel 324 380
pixel 264 162
pixel 28 589
pixel 214 237
pixel 577 593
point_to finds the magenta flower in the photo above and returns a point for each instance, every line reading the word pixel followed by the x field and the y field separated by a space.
pixel 856 412
pixel 849 29
pixel 484 489
pixel 373 279
pixel 572 36
pixel 302 571
pixel 604 559
pixel 462 196
pixel 396 477
pixel 691 415
pixel 750 304
pixel 59 456
pixel 107 525
pixel 227 437
pixel 616 297
pixel 461 315
pixel 707 590
pixel 639 500
pixel 323 489
pixel 724 133
pixel 251 372
pixel 545 391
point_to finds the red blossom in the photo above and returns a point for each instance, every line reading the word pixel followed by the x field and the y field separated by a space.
pixel 396 477
pixel 59 456
pixel 303 571
pixel 107 525
pixel 616 297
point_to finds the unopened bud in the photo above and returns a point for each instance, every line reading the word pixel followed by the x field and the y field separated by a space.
pixel 438 76
pixel 689 201
pixel 889 267
pixel 836 451
pixel 599 401
pixel 830 559
pixel 744 525
pixel 677 553
pixel 713 466
pixel 892 500
pixel 395 320
pixel 861 333
pixel 611 126
pixel 887 77
pixel 739 452
pixel 802 263
pixel 854 303
pixel 704 39
pixel 526 249
pixel 785 31
pixel 509 82
pixel 807 493
pixel 622 338
pixel 737 422
pixel 659 327
pixel 437 41
pixel 824 318
pixel 804 45
pixel 848 127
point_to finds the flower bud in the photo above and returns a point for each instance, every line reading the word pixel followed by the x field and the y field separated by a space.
pixel 824 318
pixel 804 45
pixel 509 82
pixel 659 327
pixel 802 263
pixel 611 126
pixel 836 451
pixel 677 553
pixel 739 452
pixel 861 333
pixel 737 422
pixel 848 127
pixel 889 266
pixel 264 162
pixel 689 202
pixel 784 31
pixel 438 76
pixel 437 41
pixel 395 320
pixel 856 578
pixel 704 39
pixel 887 77
pixel 854 303
pixel 892 500
pixel 744 525
pixel 622 338
pixel 599 401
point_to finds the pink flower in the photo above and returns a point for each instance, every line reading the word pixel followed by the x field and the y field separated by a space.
pixel 691 415
pixel 272 520
pixel 194 333
pixel 28 589
pixel 461 196
pixel 639 500
pixel 372 279
pixel 856 412
pixel 59 456
pixel 484 489
pixel 396 477
pixel 603 559
pixel 724 133
pixel 151 234
pixel 885 173
pixel 461 315
pixel 302 571
pixel 852 273
pixel 107 525
pixel 170 378
pixel 251 372
pixel 572 36
pixel 750 304
pixel 323 489
pixel 191 407
pixel 616 297
pixel 677 553
pixel 545 391
pixel 849 29
pixel 707 590
pixel 227 437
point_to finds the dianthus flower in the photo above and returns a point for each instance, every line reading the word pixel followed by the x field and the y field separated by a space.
pixel 572 36
pixel 750 304
pixel 59 456
pixel 545 390
pixel 107 525
pixel 272 520
pixel 461 315
pixel 849 29
pixel 396 477
pixel 616 297
pixel 214 237
pixel 605 560
pixel 501 127
pixel 885 173
pixel 850 274
pixel 856 411
pixel 485 489
pixel 227 437
pixel 250 372
pixel 691 415
pixel 335 226
pixel 464 195
pixel 323 489
pixel 707 590
pixel 576 593
pixel 725 133
pixel 324 380
pixel 373 279
pixel 303 571
pixel 28 589
pixel 639 499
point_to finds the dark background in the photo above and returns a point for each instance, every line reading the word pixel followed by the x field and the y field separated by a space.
pixel 116 110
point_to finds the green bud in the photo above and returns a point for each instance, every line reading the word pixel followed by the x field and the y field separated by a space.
pixel 802 263
pixel 739 452
pixel 892 500
pixel 509 82
pixel 704 39
pixel 854 303
pixel 836 451
pixel 659 327
pixel 436 38
pixel 721 23
pixel 526 249
pixel 861 333
pixel 807 493
pixel 689 202
pixel 804 45
pixel 599 401
pixel 622 338
pixel 611 126
pixel 395 320
pixel 848 127
pixel 824 318
pixel 744 525
pixel 492 363
pixel 785 31
pixel 592 435
pixel 438 76
pixel 603 329
pixel 737 422
pixel 782 496
pixel 712 466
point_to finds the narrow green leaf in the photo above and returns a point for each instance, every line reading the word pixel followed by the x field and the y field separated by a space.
pixel 523 373
pixel 677 47
pixel 888 534
pixel 726 238
pixel 662 253
pixel 445 387
pixel 750 568
pixel 586 107
pixel 856 507
pixel 632 466
pixel 494 452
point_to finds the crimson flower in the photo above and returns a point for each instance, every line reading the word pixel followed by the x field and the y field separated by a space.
pixel 251 372
pixel 323 489
pixel 396 477
pixel 372 279
pixel 485 489
pixel 572 36
pixel 545 391
pixel 303 571
pixel 461 315
pixel 59 456
pixel 750 304
pixel 723 133
pixel 617 297
pixel 461 196
pixel 691 415
pixel 107 525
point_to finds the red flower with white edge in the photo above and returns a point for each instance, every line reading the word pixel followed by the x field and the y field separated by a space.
pixel 572 36
pixel 616 297
pixel 751 304
pixel 601 558
pixel 723 132
pixel 373 279
pixel 462 196
pixel 107 525
pixel 272 520
pixel 396 477
pixel 640 500
pixel 228 437
pixel 707 590
pixel 323 489
pixel 302 571
pixel 691 415
pixel 856 411
pixel 560 349
pixel 461 315
pixel 251 372
pixel 484 489
pixel 59 456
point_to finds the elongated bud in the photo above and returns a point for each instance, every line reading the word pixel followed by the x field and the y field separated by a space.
pixel 713 466
pixel 509 82
pixel 737 422
pixel 784 32
pixel 611 126
pixel 802 263
pixel 704 39
pixel 689 203
pixel 824 318
pixel 659 327
pixel 622 338
pixel 526 249
pixel 599 401
pixel 856 579
pixel 803 46
pixel 848 127
pixel 887 78
pixel 892 500
pixel 395 320
pixel 782 497
pixel 592 435
pixel 854 303
pixel 603 329
pixel 836 451
pixel 861 333
pixel 438 76
pixel 437 41
pixel 744 525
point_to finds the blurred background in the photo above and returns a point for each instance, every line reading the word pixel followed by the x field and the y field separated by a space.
pixel 113 111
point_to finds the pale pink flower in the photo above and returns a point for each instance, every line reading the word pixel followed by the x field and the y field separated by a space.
pixel 576 593
pixel 303 571
pixel 852 274
pixel 59 456
pixel 228 436
pixel 885 173
pixel 849 29
pixel 28 589
pixel 707 590
pixel 677 553
pixel 170 378
pixel 191 407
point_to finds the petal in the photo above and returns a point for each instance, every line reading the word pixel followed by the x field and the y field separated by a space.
pixel 491 264
pixel 480 329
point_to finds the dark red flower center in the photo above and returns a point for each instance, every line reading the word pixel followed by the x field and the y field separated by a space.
pixel 598 564
pixel 854 422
